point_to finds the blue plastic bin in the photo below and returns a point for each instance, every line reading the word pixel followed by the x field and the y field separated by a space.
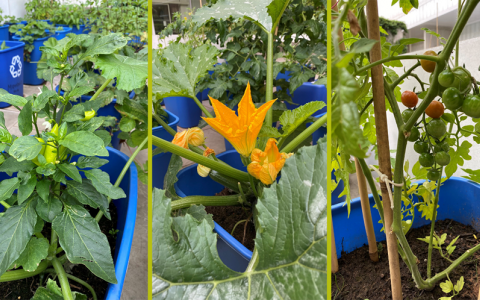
pixel 458 201
pixel 127 214
pixel 231 252
pixel 161 161
pixel 185 109
pixel 11 64
pixel 4 34
pixel 106 111
pixel 60 34
pixel 30 68
pixel 75 29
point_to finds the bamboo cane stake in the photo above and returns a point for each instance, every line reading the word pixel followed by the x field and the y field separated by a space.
pixel 367 215
pixel 334 251
pixel 383 146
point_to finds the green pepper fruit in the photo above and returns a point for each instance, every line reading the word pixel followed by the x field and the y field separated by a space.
pixel 42 152
pixel 88 115
pixel 51 150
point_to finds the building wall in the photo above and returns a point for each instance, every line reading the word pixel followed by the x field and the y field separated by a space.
pixel 17 7
pixel 468 56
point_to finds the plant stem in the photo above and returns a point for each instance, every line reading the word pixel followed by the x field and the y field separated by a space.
pixel 99 215
pixel 305 134
pixel 269 82
pixel 206 201
pixel 404 75
pixel 22 274
pixel 62 277
pixel 100 89
pixel 398 57
pixel 164 125
pixel 71 277
pixel 253 261
pixel 373 188
pixel 432 228
pixel 5 204
pixel 199 103
pixel 200 159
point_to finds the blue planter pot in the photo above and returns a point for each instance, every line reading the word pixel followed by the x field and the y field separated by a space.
pixel 30 68
pixel 74 28
pixel 106 111
pixel 161 161
pixel 458 201
pixel 127 213
pixel 11 66
pixel 4 34
pixel 185 109
pixel 231 252
pixel 60 34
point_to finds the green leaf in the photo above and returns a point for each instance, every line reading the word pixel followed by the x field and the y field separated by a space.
pixel 13 99
pixel 345 117
pixel 130 73
pixel 459 286
pixel 180 67
pixel 25 148
pixel 42 99
pixel 35 251
pixel 291 119
pixel 83 242
pixel 86 194
pixel 25 190
pixel 76 113
pixel 51 292
pixel 101 181
pixel 363 45
pixel 17 225
pixel 25 119
pixel 71 171
pixel 106 45
pixel 2 120
pixel 291 242
pixel 265 12
pixel 7 187
pixel 447 286
pixel 85 143
pixel 91 162
pixel 133 110
pixel 48 210
pixel 43 189
pixel 199 213
pixel 174 166
pixel 127 124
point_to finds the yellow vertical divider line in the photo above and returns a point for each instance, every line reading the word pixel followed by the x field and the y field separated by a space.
pixel 329 149
pixel 150 105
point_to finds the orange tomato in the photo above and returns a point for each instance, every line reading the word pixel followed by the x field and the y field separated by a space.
pixel 435 109
pixel 409 99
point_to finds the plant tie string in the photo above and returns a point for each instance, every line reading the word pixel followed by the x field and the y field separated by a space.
pixel 388 182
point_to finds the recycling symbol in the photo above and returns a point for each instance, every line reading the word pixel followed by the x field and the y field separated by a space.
pixel 16 66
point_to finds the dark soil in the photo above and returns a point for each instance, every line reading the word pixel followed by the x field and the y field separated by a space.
pixel 228 216
pixel 25 288
pixel 360 278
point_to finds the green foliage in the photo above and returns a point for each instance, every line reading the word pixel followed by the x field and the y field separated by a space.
pixel 393 26
pixel 32 31
pixel 448 287
pixel 294 271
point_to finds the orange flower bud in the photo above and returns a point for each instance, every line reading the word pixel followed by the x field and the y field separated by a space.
pixel 266 165
pixel 194 136
pixel 202 170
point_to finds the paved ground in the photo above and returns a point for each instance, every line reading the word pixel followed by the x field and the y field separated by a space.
pixel 135 287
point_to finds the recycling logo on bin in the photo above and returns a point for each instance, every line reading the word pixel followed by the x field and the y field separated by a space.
pixel 16 66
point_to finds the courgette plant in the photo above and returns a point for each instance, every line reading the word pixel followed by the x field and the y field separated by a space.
pixel 440 137
pixel 55 175
pixel 265 151
pixel 30 32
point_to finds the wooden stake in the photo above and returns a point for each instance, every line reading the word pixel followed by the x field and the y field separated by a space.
pixel 383 146
pixel 334 251
pixel 367 215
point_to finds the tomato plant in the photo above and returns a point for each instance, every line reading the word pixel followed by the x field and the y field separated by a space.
pixel 435 124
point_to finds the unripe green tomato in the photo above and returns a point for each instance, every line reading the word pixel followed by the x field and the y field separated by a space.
pixel 406 114
pixel 433 174
pixel 452 98
pixel 426 160
pixel 444 145
pixel 442 158
pixel 414 134
pixel 463 79
pixel 440 88
pixel 436 128
pixel 420 147
pixel 471 106
pixel 446 78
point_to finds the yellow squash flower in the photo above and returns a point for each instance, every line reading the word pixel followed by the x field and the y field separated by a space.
pixel 194 136
pixel 242 130
pixel 265 166
pixel 202 170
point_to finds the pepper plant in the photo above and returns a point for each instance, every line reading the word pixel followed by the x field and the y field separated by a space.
pixel 436 126
pixel 267 153
pixel 54 174
pixel 41 9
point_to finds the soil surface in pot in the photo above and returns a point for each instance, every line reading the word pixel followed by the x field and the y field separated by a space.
pixel 228 216
pixel 360 278
pixel 25 288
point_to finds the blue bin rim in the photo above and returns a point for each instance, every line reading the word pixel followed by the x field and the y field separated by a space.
pixel 14 45
pixel 66 29
pixel 319 115
pixel 5 25
pixel 17 37
pixel 173 123
pixel 123 256
pixel 230 240
pixel 356 201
